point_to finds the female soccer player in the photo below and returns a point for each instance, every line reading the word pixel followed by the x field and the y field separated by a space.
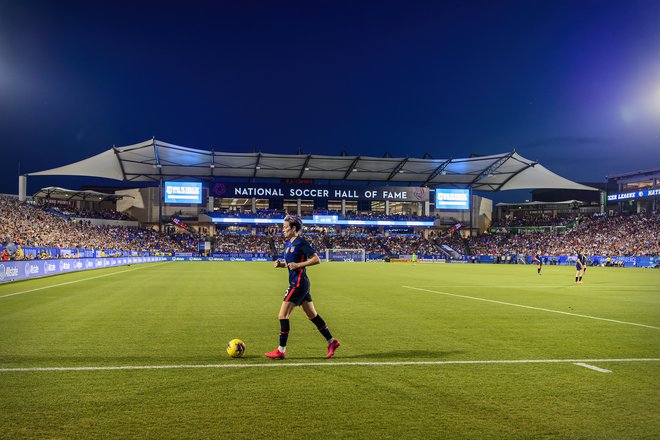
pixel 537 259
pixel 298 254
pixel 579 267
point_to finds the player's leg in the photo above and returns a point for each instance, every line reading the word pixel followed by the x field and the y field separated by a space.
pixel 285 312
pixel 312 315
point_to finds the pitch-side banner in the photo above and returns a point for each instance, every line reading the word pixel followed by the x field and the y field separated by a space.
pixel 319 192
pixel 20 270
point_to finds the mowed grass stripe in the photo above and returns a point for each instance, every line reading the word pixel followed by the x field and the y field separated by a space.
pixel 325 364
pixel 182 314
pixel 147 266
pixel 531 307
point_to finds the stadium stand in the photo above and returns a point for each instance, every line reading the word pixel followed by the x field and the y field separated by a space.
pixel 29 230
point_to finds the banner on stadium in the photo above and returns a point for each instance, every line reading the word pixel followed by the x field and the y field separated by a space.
pixel 633 195
pixel 319 192
pixel 21 270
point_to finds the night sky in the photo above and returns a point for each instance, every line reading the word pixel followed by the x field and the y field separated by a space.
pixel 572 84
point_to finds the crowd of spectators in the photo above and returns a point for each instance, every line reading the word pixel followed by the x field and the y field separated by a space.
pixel 535 219
pixel 237 213
pixel 70 211
pixel 350 215
pixel 372 215
pixel 626 235
pixel 25 225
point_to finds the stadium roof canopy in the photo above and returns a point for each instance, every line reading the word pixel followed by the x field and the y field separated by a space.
pixel 154 160
pixel 55 193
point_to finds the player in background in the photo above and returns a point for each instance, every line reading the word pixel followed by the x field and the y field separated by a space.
pixel 584 264
pixel 539 262
pixel 579 267
pixel 298 255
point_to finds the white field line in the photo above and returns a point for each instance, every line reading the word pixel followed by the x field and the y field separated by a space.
pixel 544 286
pixel 78 281
pixel 324 364
pixel 592 367
pixel 532 308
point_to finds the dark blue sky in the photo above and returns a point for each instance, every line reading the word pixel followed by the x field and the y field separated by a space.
pixel 573 84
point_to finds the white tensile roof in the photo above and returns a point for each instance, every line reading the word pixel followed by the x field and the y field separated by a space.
pixel 154 160
pixel 57 193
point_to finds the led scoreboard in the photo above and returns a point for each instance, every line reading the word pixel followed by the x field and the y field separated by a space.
pixel 183 192
pixel 454 199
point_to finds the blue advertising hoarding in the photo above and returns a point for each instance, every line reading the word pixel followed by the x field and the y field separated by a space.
pixel 634 195
pixel 324 220
pixel 21 270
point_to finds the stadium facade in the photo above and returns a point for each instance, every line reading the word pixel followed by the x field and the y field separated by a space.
pixel 305 183
pixel 634 192
pixel 365 200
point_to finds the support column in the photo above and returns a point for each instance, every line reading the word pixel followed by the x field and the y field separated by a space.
pixel 254 205
pixel 160 206
pixel 471 208
pixel 427 208
pixel 387 207
pixel 22 188
pixel 343 207
pixel 209 204
pixel 299 207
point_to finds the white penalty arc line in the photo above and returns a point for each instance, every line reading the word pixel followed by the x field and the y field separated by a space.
pixel 276 364
pixel 80 280
pixel 532 308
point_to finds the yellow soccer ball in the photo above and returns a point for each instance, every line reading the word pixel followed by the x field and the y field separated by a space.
pixel 235 348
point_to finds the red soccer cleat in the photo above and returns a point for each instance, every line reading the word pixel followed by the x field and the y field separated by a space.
pixel 275 354
pixel 332 347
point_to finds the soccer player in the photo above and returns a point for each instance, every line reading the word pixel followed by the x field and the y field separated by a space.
pixel 298 254
pixel 579 266
pixel 584 264
pixel 539 262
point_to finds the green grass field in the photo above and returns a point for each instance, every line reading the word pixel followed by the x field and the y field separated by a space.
pixel 398 373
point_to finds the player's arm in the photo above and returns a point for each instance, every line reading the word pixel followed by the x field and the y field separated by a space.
pixel 279 263
pixel 311 261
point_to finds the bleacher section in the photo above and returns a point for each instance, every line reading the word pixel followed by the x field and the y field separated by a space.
pixel 30 231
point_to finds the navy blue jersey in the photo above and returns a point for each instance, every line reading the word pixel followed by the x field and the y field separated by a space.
pixel 580 262
pixel 297 251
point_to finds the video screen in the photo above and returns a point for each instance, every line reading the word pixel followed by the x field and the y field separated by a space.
pixel 452 199
pixel 183 192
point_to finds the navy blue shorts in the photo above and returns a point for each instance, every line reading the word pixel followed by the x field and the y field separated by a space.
pixel 298 293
